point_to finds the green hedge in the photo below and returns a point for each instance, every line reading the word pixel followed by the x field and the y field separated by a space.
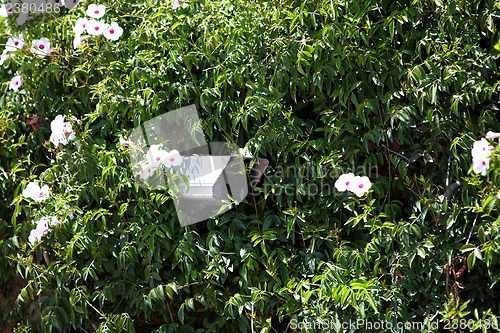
pixel 394 90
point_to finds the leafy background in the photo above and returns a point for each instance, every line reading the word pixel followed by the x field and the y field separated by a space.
pixel 398 90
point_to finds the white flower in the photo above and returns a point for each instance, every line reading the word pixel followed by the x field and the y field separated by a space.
pixel 35 236
pixel 4 12
pixel 60 3
pixel 96 11
pixel 156 155
pixel 34 192
pixel 41 47
pixel 492 135
pixel 173 158
pixel 481 164
pixel 360 185
pixel 12 4
pixel 245 152
pixel 62 131
pixel 344 182
pixel 481 149
pixel 15 83
pixel 14 43
pixel 77 41
pixel 147 170
pixel 44 223
pixel 57 123
pixel 177 3
pixel 5 56
pixel 80 26
pixel 113 32
pixel 42 227
pixel 96 28
pixel 70 4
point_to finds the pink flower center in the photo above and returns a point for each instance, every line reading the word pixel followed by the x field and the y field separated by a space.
pixel 41 46
pixel 347 183
pixel 84 25
pixel 41 193
pixel 111 31
pixel 16 43
pixel 484 163
pixel 96 28
pixel 66 133
pixel 361 185
pixel 158 158
pixel 10 9
pixel 17 82
pixel 172 159
pixel 96 12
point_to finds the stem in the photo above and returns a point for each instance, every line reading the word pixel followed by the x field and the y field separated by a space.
pixel 473 224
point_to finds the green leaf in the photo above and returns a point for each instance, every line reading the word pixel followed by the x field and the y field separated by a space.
pixel 467 248
pixel 371 301
pixel 480 234
pixel 477 254
pixel 180 313
pixel 471 260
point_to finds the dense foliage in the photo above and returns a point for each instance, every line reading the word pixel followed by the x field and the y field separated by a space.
pixel 394 90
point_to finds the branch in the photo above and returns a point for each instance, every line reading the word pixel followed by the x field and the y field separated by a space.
pixel 395 152
pixel 285 39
